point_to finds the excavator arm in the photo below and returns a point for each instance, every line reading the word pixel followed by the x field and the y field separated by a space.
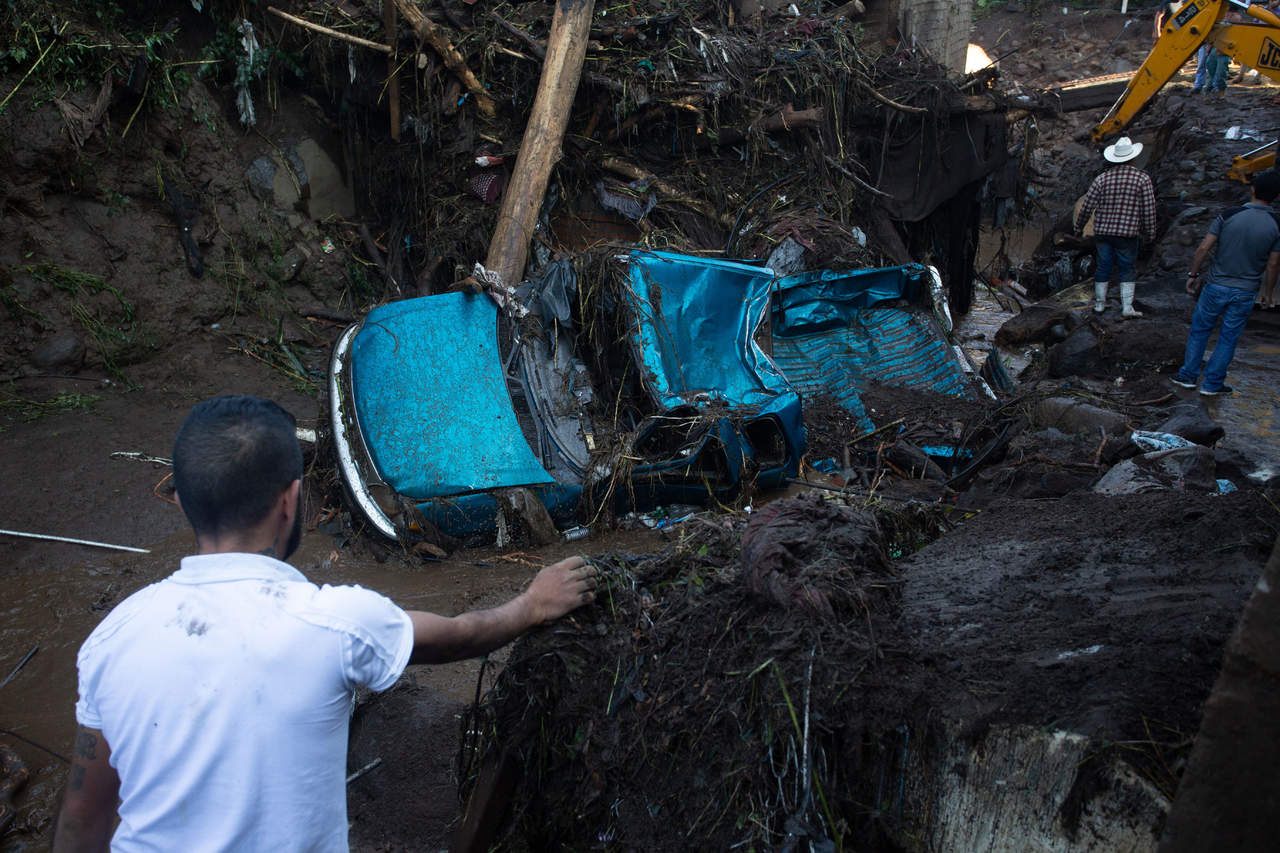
pixel 1259 159
pixel 1192 25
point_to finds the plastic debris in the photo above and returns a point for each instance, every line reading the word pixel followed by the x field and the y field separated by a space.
pixel 1150 441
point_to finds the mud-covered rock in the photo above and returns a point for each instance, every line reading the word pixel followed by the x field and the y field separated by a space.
pixel 1078 355
pixel 914 461
pixel 1182 469
pixel 1072 415
pixel 1190 420
pixel 60 351
pixel 1035 323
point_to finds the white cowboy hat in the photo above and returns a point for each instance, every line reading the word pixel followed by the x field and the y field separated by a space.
pixel 1122 151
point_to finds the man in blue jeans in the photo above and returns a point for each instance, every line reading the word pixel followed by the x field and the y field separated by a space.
pixel 1247 259
pixel 1122 201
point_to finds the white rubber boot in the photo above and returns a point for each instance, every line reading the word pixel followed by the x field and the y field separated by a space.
pixel 1126 300
pixel 1099 297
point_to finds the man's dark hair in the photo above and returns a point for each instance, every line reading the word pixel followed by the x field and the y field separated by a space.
pixel 1267 186
pixel 232 458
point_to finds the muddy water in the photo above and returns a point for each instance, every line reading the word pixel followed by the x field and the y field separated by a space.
pixel 57 608
pixel 1249 415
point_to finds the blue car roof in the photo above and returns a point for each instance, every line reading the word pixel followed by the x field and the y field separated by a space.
pixel 432 402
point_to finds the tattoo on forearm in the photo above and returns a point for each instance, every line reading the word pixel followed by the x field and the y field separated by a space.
pixel 86 746
pixel 76 782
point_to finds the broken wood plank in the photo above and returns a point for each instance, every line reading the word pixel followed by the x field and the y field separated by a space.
pixel 1087 94
pixel 393 80
pixel 669 192
pixel 487 805
pixel 540 148
pixel 325 31
pixel 429 32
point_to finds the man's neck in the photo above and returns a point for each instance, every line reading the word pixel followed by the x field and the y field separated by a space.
pixel 254 542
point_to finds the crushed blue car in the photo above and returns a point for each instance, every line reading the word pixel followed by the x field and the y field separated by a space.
pixel 453 413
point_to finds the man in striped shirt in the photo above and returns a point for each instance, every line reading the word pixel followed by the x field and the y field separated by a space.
pixel 1122 201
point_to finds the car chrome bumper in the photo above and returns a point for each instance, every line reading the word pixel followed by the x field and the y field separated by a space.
pixel 353 457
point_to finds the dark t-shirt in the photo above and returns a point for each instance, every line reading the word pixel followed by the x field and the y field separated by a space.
pixel 1246 236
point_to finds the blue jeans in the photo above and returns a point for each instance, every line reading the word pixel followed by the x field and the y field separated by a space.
pixel 1119 252
pixel 1219 63
pixel 1202 68
pixel 1229 304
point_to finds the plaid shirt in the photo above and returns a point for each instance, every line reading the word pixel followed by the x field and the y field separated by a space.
pixel 1124 201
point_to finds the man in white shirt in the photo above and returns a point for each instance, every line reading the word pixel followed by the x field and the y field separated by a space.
pixel 214 704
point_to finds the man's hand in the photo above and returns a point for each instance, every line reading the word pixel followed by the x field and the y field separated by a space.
pixel 561 588
pixel 555 591
pixel 1193 285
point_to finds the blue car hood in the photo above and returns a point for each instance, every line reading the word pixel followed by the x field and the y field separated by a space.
pixel 432 402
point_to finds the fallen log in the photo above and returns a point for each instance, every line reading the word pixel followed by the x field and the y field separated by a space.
pixel 453 60
pixel 540 148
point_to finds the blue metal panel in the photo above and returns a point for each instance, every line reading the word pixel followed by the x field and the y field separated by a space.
pixel 887 345
pixel 696 321
pixel 812 301
pixel 477 514
pixel 432 402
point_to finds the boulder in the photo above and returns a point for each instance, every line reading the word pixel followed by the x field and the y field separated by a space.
pixel 1182 469
pixel 261 176
pixel 1190 419
pixel 1071 415
pixel 1077 355
pixel 60 351
pixel 1033 324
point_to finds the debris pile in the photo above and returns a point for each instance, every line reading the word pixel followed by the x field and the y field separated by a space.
pixel 704 700
pixel 792 131
pixel 777 680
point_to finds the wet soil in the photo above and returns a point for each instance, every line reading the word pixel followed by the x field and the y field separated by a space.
pixel 1087 612
pixel 1154 582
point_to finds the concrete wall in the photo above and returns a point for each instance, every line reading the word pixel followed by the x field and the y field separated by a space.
pixel 941 27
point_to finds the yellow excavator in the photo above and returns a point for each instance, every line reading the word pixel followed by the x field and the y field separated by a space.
pixel 1191 25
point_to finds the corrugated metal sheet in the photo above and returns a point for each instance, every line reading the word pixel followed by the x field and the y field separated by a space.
pixel 892 346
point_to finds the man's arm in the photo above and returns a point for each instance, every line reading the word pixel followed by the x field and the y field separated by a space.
pixel 1086 207
pixel 555 591
pixel 89 802
pixel 1149 209
pixel 1269 276
pixel 1197 262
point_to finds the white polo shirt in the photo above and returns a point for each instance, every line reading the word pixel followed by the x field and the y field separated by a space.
pixel 224 692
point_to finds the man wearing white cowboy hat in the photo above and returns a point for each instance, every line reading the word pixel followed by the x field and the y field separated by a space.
pixel 1122 201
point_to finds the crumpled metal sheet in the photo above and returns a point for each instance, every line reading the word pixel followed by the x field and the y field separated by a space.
pixel 432 401
pixel 696 320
